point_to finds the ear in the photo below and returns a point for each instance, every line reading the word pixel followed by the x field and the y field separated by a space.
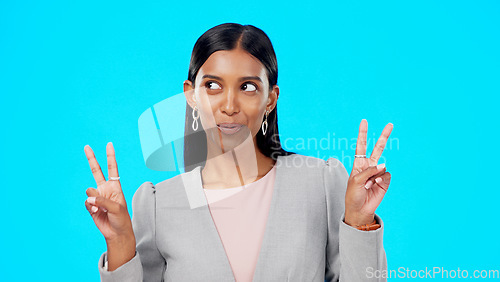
pixel 189 93
pixel 272 99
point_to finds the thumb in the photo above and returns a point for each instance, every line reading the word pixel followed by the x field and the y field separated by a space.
pixel 91 192
pixel 362 177
pixel 106 204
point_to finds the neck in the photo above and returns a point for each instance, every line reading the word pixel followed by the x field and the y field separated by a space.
pixel 240 166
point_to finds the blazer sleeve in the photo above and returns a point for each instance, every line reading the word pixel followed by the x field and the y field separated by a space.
pixel 148 264
pixel 351 254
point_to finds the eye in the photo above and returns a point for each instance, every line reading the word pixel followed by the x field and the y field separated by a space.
pixel 247 86
pixel 210 84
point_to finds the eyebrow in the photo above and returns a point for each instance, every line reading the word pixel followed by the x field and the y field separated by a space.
pixel 240 79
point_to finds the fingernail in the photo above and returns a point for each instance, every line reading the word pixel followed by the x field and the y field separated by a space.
pixel 94 209
pixel 378 179
pixel 368 185
pixel 104 210
pixel 381 166
pixel 91 200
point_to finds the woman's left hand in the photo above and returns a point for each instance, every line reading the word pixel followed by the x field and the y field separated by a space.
pixel 368 182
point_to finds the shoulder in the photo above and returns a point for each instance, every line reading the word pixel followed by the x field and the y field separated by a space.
pixel 167 192
pixel 329 172
pixel 178 181
pixel 149 187
pixel 299 161
pixel 177 191
pixel 146 187
pixel 149 190
pixel 143 201
pixel 331 168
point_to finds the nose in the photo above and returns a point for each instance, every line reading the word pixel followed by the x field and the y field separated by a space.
pixel 230 104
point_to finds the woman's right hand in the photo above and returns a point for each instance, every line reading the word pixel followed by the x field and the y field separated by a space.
pixel 106 204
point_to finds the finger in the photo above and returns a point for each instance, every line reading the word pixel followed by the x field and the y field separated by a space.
pixel 91 208
pixel 105 203
pixel 361 143
pixel 88 206
pixel 112 167
pixel 363 176
pixel 380 173
pixel 94 166
pixel 383 181
pixel 369 184
pixel 92 192
pixel 371 180
pixel 380 145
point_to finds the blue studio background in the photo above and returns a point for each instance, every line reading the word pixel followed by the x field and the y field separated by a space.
pixel 81 72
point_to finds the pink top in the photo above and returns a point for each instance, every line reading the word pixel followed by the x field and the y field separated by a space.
pixel 240 216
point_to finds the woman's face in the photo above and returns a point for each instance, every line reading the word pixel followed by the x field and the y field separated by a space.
pixel 231 95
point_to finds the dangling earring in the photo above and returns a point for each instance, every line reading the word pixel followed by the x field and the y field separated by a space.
pixel 195 118
pixel 264 124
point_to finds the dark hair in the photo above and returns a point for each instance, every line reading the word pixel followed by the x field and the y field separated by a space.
pixel 229 36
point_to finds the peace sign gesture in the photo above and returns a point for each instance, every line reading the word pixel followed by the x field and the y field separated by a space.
pixel 368 181
pixel 106 204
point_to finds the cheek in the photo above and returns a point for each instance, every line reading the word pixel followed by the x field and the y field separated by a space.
pixel 255 120
pixel 254 109
pixel 206 116
pixel 207 120
pixel 206 108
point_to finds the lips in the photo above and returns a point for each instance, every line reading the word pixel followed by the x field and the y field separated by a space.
pixel 229 128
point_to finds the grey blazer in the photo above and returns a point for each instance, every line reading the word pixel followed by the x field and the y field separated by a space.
pixel 305 237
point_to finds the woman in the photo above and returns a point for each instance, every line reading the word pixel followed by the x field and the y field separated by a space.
pixel 245 209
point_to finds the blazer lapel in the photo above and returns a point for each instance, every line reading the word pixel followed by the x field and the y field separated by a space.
pixel 265 253
pixel 196 197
